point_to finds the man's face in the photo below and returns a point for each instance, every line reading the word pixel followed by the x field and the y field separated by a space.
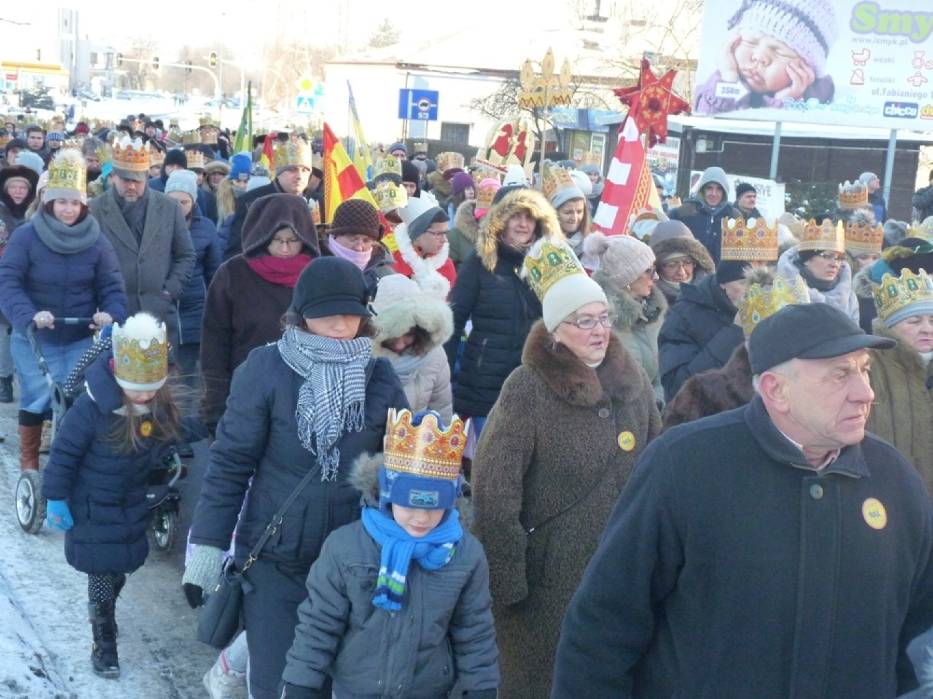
pixel 155 170
pixel 92 162
pixel 432 240
pixel 713 194
pixel 200 176
pixel 293 180
pixel 748 201
pixel 874 185
pixel 399 154
pixel 410 188
pixel 130 190
pixel 34 140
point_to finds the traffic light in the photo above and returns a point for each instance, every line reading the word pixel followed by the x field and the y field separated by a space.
pixel 119 60
pixel 212 59
pixel 188 69
pixel 155 62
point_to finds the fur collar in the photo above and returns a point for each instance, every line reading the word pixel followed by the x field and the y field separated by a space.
pixel 837 296
pixel 686 246
pixel 465 220
pixel 630 311
pixel 618 378
pixel 862 284
pixel 425 311
pixel 424 269
pixel 903 353
pixel 493 224
pixel 438 185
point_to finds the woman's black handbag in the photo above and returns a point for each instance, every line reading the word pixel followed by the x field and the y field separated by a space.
pixel 219 619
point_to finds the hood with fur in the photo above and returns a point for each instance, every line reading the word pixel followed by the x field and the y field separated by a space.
pixel 465 221
pixel 629 310
pixel 441 188
pixel 424 269
pixel 425 311
pixel 493 224
pixel 686 246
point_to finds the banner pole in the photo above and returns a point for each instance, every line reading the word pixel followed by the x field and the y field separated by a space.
pixel 889 165
pixel 775 151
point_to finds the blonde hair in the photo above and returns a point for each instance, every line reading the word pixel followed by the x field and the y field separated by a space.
pixel 226 199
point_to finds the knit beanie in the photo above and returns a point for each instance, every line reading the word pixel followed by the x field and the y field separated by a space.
pixel 241 163
pixel 410 172
pixel 741 188
pixel 730 271
pixel 31 160
pixel 583 182
pixel 330 286
pixel 806 26
pixel 16 143
pixel 178 157
pixel 356 216
pixel 184 181
pixel 460 182
pixel 57 136
pixel 397 146
pixel 622 258
pixel 665 230
pixel 505 190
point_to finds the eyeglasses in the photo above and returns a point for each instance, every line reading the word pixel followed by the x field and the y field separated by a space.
pixel 590 323
pixel 436 234
pixel 649 273
pixel 285 241
pixel 831 256
pixel 678 264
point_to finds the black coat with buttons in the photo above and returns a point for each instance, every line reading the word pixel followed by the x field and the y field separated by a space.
pixel 731 568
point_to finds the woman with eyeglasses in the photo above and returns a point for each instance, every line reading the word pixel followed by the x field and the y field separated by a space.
pixel 557 449
pixel 354 235
pixel 681 259
pixel 820 258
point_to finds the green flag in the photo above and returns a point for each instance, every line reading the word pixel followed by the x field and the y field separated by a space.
pixel 244 134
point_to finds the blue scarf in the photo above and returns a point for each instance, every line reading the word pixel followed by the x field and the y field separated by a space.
pixel 432 551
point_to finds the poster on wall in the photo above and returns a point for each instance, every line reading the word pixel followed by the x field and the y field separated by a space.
pixel 837 62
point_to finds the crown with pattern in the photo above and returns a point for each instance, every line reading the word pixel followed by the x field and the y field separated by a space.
pixel 140 353
pixel 191 138
pixel 555 178
pixel 449 160
pixel 897 298
pixel 864 239
pixel 763 300
pixel 751 240
pixel 424 449
pixel 485 193
pixel 295 152
pixel 388 166
pixel 420 147
pixel 823 236
pixel 74 143
pixel 67 176
pixel 390 196
pixel 156 156
pixel 481 171
pixel 195 157
pixel 552 264
pixel 208 130
pixel 852 195
pixel 130 154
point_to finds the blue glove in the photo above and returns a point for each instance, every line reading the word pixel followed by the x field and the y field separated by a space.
pixel 58 516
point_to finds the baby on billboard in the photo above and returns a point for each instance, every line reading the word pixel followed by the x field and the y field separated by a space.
pixel 775 51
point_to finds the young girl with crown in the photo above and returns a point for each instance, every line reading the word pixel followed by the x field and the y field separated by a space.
pixel 97 475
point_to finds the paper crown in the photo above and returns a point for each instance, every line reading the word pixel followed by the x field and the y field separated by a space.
pixel 420 147
pixel 156 156
pixel 751 240
pixel 761 301
pixel 130 155
pixel 423 450
pixel 480 172
pixel 5 139
pixel 823 236
pixel 195 159
pixel 388 166
pixel 852 195
pixel 206 120
pixel 67 176
pixel 551 264
pixel 864 239
pixel 292 153
pixel 897 294
pixel 486 192
pixel 73 143
pixel 555 179
pixel 190 138
pixel 449 160
pixel 390 196
pixel 140 353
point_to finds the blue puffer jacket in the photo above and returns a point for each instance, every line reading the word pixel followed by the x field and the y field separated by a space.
pixel 34 278
pixel 105 488
pixel 209 254
pixel 258 438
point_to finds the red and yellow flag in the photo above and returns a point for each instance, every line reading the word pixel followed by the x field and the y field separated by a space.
pixel 267 158
pixel 342 181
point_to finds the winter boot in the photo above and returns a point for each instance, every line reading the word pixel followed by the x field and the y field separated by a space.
pixel 104 651
pixel 6 389
pixel 29 438
pixel 45 444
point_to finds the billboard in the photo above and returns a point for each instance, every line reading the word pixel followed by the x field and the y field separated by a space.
pixel 838 62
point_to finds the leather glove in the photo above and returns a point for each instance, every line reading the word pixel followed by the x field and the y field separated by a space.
pixel 202 573
pixel 293 691
pixel 58 516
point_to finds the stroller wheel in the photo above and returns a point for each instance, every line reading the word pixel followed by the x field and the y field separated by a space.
pixel 163 528
pixel 30 505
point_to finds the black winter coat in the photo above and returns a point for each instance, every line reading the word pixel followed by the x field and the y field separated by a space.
pixel 208 254
pixel 699 333
pixel 503 308
pixel 922 202
pixel 705 223
pixel 257 438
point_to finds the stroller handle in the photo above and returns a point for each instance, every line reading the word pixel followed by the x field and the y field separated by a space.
pixel 31 330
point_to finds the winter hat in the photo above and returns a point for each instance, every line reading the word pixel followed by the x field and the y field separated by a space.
pixel 410 172
pixel 183 181
pixel 742 188
pixel 583 182
pixel 82 129
pixel 559 187
pixel 714 175
pixel 558 279
pixel 240 166
pixel 622 258
pixel 273 212
pixel 665 230
pixel 866 177
pixel 31 160
pixel 330 286
pixel 57 136
pixel 393 289
pixel 356 216
pixel 911 253
pixel 505 190
pixel 731 270
pixel 420 213
pixel 67 177
pixel 16 143
pixel 894 231
pixel 397 146
pixel 515 175
pixel 460 182
pixel 806 26
pixel 140 353
pixel 220 166
pixel 178 157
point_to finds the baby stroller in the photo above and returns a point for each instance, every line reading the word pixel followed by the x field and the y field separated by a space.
pixel 163 496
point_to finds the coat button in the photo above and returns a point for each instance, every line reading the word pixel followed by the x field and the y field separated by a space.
pixel 816 491
pixel 603 412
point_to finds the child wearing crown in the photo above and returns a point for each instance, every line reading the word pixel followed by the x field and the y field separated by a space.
pixel 97 474
pixel 399 601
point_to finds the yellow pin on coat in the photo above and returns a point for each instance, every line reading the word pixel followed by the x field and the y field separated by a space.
pixel 626 441
pixel 145 428
pixel 874 513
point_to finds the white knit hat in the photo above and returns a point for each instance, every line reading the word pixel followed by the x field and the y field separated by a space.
pixel 809 27
pixel 185 181
pixel 622 258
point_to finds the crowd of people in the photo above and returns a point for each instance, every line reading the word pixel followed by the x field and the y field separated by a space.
pixel 462 441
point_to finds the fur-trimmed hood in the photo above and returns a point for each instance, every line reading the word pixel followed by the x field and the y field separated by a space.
pixel 364 476
pixel 862 284
pixel 619 377
pixel 441 188
pixel 425 311
pixel 630 311
pixel 424 269
pixel 685 246
pixel 493 224
pixel 465 221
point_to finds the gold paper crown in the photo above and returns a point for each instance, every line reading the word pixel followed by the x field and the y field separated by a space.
pixel 390 196
pixel 156 156
pixel 551 264
pixel 425 449
pixel 896 293
pixel 195 159
pixel 420 147
pixel 140 359
pixel 749 241
pixel 853 195
pixel 73 143
pixel 480 172
pixel 547 88
pixel 555 179
pixel 67 173
pixel 208 130
pixel 449 160
pixel 864 239
pixel 824 236
pixel 190 138
pixel 206 120
pixel 130 155
pixel 292 153
pixel 485 195
pixel 389 165
pixel 760 301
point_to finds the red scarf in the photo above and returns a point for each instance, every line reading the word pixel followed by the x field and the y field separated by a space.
pixel 283 271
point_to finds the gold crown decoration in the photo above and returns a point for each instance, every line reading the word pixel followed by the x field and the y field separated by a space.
pixel 555 179
pixel 208 130
pixel 156 156
pixel 895 295
pixel 420 147
pixel 852 195
pixel 390 196
pixel 191 138
pixel 864 239
pixel 547 263
pixel 67 176
pixel 481 171
pixel 485 193
pixel 388 166
pixel 130 154
pixel 74 143
pixel 763 300
pixel 425 449
pixel 547 88
pixel 294 152
pixel 196 159
pixel 449 160
pixel 823 236
pixel 751 240
pixel 140 353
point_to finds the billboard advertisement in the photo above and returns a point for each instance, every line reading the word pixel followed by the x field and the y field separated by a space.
pixel 837 62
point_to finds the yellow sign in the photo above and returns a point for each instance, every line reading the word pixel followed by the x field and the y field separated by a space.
pixel 626 441
pixel 874 513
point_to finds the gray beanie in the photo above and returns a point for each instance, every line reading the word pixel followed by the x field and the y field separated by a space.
pixel 31 160
pixel 867 177
pixel 665 230
pixel 183 181
pixel 622 258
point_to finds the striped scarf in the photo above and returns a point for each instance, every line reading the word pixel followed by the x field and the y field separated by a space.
pixel 331 399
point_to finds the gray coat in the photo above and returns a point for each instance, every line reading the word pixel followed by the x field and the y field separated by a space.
pixel 156 269
pixel 443 635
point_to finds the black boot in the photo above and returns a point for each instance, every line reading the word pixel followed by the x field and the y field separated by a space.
pixel 104 651
pixel 6 389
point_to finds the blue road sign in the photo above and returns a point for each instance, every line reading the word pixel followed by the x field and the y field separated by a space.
pixel 420 105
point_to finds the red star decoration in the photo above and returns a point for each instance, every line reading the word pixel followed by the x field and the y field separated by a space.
pixel 651 101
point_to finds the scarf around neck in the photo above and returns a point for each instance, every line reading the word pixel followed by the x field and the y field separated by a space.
pixel 432 551
pixel 360 259
pixel 331 400
pixel 63 239
pixel 812 281
pixel 282 271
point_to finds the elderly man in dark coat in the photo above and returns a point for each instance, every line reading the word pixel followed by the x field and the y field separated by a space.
pixel 776 550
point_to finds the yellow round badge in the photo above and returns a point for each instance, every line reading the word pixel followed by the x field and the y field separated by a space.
pixel 874 513
pixel 145 428
pixel 626 441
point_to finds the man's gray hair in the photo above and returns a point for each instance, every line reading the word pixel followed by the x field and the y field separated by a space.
pixel 787 369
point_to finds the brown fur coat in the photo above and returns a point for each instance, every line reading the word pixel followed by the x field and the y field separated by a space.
pixel 713 391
